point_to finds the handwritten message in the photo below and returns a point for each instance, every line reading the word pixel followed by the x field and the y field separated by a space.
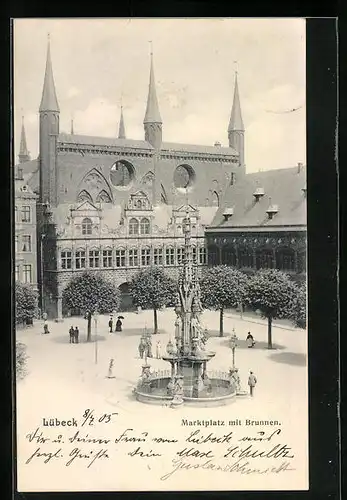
pixel 233 446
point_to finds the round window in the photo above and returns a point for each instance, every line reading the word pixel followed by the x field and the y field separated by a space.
pixel 184 176
pixel 122 174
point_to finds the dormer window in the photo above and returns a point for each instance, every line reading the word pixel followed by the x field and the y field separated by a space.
pixel 272 210
pixel 304 190
pixel 228 212
pixel 258 193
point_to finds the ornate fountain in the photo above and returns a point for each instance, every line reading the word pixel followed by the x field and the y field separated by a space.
pixel 188 381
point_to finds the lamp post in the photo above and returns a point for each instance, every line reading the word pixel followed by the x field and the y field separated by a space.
pixel 41 262
pixel 96 317
pixel 233 342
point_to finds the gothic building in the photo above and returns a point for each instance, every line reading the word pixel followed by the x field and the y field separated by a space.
pixel 115 205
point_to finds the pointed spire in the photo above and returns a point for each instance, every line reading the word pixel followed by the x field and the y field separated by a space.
pixel 121 131
pixel 236 122
pixel 152 111
pixel 23 150
pixel 49 100
pixel 72 130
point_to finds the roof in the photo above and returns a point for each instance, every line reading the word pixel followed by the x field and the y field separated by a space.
pixel 28 167
pixel 236 122
pixel 193 148
pixel 152 110
pixel 283 186
pixel 49 101
pixel 103 141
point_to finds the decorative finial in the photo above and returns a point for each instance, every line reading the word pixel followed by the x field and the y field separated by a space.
pixel 235 67
pixel 151 46
pixel 48 36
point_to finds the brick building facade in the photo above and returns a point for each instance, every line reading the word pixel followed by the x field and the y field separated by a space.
pixel 115 204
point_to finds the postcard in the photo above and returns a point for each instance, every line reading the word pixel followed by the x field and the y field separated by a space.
pixel 160 254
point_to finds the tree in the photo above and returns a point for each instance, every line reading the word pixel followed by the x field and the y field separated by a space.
pixel 221 287
pixel 273 293
pixel 90 292
pixel 21 360
pixel 26 303
pixel 298 313
pixel 152 288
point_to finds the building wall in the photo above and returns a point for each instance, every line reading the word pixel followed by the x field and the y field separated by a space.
pixel 25 237
pixel 253 250
pixel 210 175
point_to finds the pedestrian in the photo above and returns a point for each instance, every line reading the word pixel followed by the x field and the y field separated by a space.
pixel 110 324
pixel 77 332
pixel 118 325
pixel 72 335
pixel 252 380
pixel 110 369
pixel 45 327
pixel 250 340
pixel 158 350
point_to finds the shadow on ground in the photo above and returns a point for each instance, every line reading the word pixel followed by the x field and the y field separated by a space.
pixel 65 339
pixel 289 358
pixel 129 332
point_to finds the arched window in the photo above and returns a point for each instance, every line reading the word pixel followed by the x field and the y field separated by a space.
pixel 246 257
pixel 94 258
pixel 170 256
pixel 80 259
pixel 213 255
pixel 285 259
pixel 84 196
pixel 146 256
pixel 133 226
pixel 139 204
pixel 66 259
pixel 202 255
pixel 301 261
pixel 180 255
pixel 265 259
pixel 120 257
pixel 87 226
pixel 103 197
pixel 107 260
pixel 133 257
pixel 215 199
pixel 158 256
pixel 145 226
pixel 194 254
pixel 228 256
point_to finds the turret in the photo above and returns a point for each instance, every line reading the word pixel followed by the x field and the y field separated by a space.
pixel 49 131
pixel 152 121
pixel 236 129
pixel 23 150
pixel 121 131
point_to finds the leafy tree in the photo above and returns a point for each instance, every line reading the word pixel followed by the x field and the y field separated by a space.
pixel 273 293
pixel 152 288
pixel 221 287
pixel 21 360
pixel 26 303
pixel 298 313
pixel 90 292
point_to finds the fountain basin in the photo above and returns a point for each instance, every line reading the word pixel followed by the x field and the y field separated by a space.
pixel 220 392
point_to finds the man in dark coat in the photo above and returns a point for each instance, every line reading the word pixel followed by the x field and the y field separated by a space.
pixel 72 335
pixel 77 332
pixel 110 324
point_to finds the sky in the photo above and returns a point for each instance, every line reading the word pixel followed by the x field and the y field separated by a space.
pixel 100 63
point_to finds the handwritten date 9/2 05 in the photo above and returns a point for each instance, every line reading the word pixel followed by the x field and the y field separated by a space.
pixel 89 417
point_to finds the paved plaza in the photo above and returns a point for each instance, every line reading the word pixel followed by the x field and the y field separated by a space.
pixel 58 369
